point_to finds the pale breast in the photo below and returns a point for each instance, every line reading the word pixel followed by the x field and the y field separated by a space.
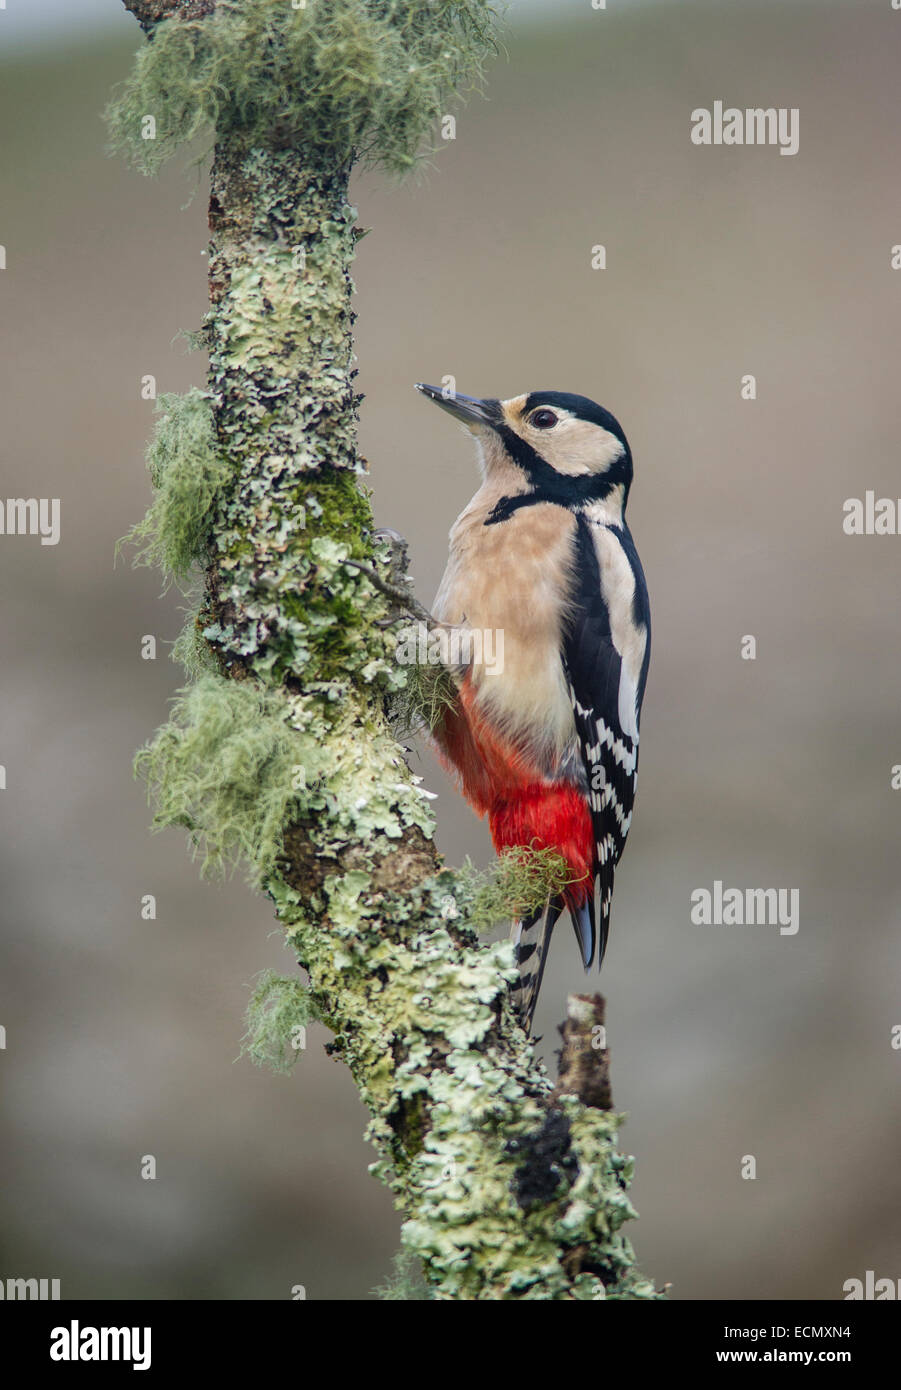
pixel 510 580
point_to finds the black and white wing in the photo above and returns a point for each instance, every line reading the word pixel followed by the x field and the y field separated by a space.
pixel 605 658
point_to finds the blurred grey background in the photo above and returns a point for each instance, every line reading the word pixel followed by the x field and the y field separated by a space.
pixel 121 1035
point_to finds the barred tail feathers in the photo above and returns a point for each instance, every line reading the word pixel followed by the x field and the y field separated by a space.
pixel 532 939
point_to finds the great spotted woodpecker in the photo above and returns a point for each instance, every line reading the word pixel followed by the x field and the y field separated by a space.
pixel 546 742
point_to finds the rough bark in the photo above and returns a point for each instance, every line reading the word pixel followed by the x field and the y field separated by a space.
pixel 149 12
pixel 584 1057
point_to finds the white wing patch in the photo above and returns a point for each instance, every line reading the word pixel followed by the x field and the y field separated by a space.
pixel 628 703
pixel 618 592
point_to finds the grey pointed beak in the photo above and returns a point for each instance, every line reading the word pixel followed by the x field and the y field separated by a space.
pixel 468 409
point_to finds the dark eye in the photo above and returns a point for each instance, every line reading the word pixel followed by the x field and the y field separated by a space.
pixel 544 419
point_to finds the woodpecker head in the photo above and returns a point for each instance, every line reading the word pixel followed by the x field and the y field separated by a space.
pixel 562 447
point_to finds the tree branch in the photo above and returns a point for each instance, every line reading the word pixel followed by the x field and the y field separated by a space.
pixel 281 754
pixel 149 13
pixel 584 1057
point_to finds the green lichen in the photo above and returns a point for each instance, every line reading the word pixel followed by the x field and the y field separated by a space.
pixel 518 883
pixel 188 471
pixel 281 362
pixel 227 767
pixel 521 882
pixel 239 762
pixel 278 1014
pixel 191 649
pixel 461 1107
pixel 352 78
pixel 405 1283
pixel 421 702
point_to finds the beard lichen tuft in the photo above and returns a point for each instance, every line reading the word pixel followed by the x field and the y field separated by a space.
pixel 191 650
pixel 352 78
pixel 406 1283
pixel 520 883
pixel 188 471
pixel 428 692
pixel 229 767
pixel 279 1012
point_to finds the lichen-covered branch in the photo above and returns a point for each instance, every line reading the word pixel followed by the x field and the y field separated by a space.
pixel 280 753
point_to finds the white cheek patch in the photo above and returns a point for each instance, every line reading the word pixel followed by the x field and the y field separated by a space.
pixel 610 448
pixel 581 449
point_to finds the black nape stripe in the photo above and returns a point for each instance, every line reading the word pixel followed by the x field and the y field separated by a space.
pixel 504 509
pixel 573 493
